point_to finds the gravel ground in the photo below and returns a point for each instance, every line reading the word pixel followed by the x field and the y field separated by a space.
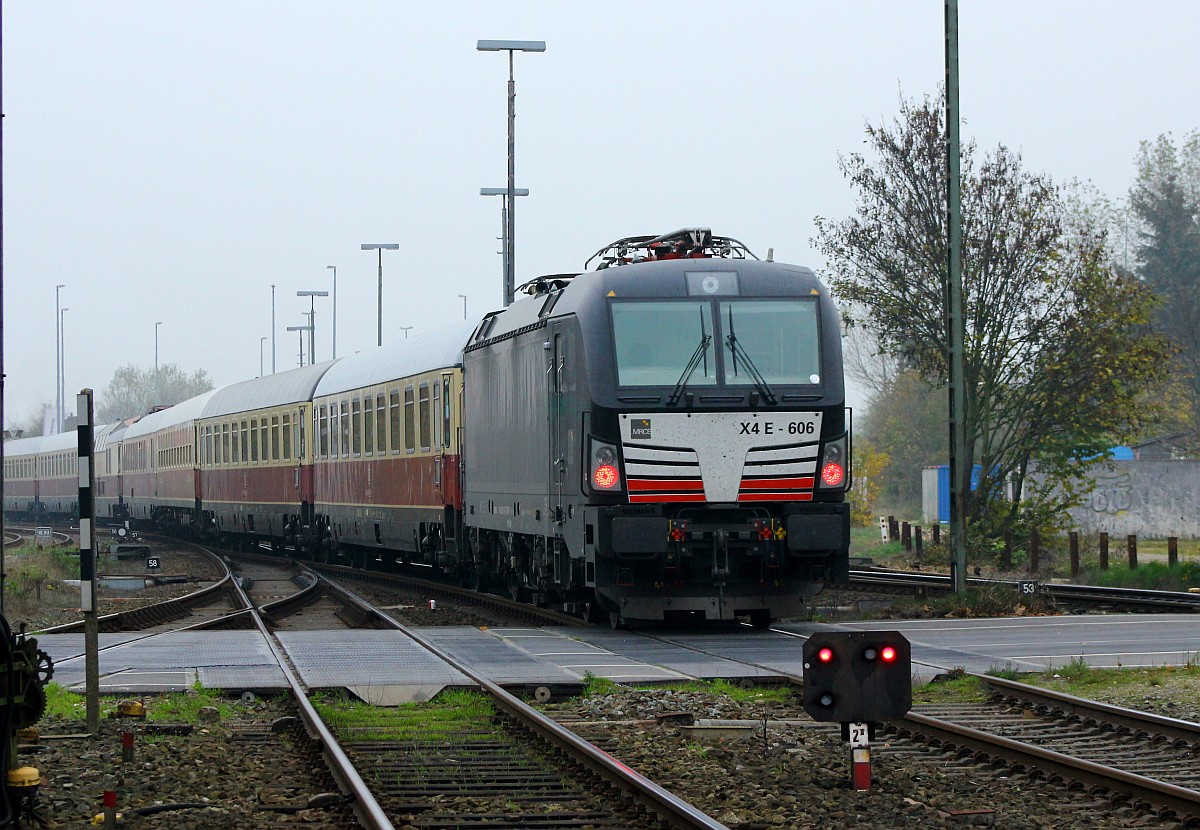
pixel 795 777
pixel 237 772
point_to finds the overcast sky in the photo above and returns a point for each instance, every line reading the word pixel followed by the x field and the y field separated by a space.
pixel 170 161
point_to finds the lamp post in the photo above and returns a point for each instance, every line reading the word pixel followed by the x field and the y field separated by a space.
pixel 58 384
pixel 381 247
pixel 334 269
pixel 261 341
pixel 62 363
pixel 504 248
pixel 406 330
pixel 511 46
pixel 301 329
pixel 312 321
pixel 157 391
pixel 464 299
pixel 272 328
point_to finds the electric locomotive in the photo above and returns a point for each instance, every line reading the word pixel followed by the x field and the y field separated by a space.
pixel 664 436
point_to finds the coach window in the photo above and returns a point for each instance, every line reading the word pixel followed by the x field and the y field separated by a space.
pixel 254 440
pixel 245 441
pixel 410 420
pixel 357 426
pixel 380 424
pixel 301 418
pixel 286 438
pixel 424 397
pixel 445 410
pixel 236 443
pixel 226 455
pixel 368 439
pixel 437 409
pixel 335 430
pixel 274 437
pixel 344 427
pixel 262 437
pixel 322 432
pixel 394 419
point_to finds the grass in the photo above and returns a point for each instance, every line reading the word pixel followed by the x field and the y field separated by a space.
pixel 450 715
pixel 1075 678
pixel 1148 575
pixel 594 686
pixel 177 707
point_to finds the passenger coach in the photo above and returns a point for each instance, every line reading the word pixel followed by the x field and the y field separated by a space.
pixel 386 473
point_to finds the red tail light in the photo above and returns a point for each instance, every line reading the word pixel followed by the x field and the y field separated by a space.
pixel 832 474
pixel 825 655
pixel 605 477
pixel 887 654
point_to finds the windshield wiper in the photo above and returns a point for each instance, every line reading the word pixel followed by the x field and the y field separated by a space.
pixel 699 355
pixel 736 348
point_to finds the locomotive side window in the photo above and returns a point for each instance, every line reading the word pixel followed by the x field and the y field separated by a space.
pixel 424 415
pixel 655 342
pixel 410 421
pixel 779 337
pixel 394 419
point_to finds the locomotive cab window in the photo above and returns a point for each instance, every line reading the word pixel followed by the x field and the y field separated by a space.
pixel 655 342
pixel 776 337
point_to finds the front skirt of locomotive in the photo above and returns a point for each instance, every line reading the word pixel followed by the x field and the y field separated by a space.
pixel 719 563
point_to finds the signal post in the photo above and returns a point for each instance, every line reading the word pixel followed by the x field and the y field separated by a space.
pixel 856 678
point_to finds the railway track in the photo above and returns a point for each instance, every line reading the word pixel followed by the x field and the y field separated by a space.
pixel 1141 759
pixel 1086 597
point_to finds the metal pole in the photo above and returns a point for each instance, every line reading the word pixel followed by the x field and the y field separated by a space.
pixel 58 385
pixel 379 338
pixel 157 389
pixel 62 362
pixel 272 328
pixel 958 457
pixel 87 561
pixel 261 341
pixel 3 536
pixel 312 331
pixel 464 299
pixel 510 260
pixel 334 268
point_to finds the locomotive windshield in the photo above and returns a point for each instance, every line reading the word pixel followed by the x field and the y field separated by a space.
pixel 656 341
pixel 778 336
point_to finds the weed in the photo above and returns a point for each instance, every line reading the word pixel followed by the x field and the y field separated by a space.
pixel 595 686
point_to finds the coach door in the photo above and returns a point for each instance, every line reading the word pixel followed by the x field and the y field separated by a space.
pixel 558 422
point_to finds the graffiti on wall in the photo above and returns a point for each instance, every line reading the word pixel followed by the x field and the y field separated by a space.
pixel 1112 494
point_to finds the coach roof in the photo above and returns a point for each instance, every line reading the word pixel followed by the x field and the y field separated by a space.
pixel 438 348
pixel 180 413
pixel 293 386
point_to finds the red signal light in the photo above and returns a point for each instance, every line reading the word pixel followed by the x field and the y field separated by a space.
pixel 605 477
pixel 888 654
pixel 825 655
pixel 832 474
